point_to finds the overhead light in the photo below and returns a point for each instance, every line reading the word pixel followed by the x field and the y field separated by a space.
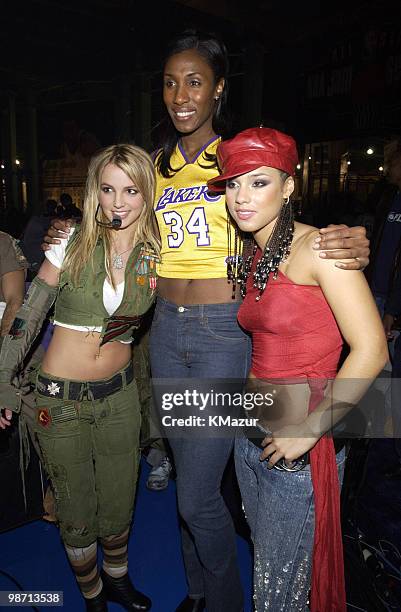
pixel 2 166
pixel 381 168
pixel 310 157
pixel 370 151
pixel 348 163
pixel 298 166
pixel 17 161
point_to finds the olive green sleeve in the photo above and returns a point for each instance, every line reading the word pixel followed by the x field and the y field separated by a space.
pixel 14 347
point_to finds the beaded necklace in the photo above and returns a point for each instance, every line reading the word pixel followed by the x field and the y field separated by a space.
pixel 277 249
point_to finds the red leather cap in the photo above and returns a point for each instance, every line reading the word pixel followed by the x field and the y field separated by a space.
pixel 252 149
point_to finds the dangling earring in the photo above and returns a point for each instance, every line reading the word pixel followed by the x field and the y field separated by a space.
pixel 217 98
pixel 276 251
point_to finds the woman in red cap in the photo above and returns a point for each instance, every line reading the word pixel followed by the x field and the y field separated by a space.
pixel 195 334
pixel 297 309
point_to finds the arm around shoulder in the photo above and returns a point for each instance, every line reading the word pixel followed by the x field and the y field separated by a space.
pixel 341 242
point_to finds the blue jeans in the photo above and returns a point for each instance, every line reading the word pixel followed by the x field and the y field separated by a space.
pixel 200 342
pixel 280 511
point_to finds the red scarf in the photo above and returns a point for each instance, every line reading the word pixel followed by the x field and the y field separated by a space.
pixel 328 584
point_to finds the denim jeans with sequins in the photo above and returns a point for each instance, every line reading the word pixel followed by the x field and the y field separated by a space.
pixel 280 511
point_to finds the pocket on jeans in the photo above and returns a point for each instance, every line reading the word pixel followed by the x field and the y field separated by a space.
pixel 225 329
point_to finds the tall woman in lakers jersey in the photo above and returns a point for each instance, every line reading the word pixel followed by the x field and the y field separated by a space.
pixel 195 334
pixel 194 331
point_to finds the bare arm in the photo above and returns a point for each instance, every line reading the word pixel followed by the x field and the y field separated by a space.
pixel 49 273
pixel 13 289
pixel 357 316
pixel 358 319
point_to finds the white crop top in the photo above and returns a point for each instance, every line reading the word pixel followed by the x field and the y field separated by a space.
pixel 111 299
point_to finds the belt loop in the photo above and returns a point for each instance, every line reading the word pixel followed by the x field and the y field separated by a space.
pixel 66 389
pixel 124 378
pixel 82 392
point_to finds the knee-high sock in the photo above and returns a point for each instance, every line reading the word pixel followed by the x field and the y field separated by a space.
pixel 84 564
pixel 115 554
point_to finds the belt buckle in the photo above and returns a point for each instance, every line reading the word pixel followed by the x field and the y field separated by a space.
pixel 300 463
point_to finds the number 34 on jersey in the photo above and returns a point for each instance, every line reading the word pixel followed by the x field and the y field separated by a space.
pixel 196 225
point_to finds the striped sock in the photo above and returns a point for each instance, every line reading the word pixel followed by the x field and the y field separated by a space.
pixel 115 554
pixel 84 564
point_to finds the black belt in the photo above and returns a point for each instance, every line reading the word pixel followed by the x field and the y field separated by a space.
pixel 78 391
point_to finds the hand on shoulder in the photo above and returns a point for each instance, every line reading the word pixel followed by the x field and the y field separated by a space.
pixel 341 242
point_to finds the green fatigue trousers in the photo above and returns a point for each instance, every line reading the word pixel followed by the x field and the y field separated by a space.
pixel 91 452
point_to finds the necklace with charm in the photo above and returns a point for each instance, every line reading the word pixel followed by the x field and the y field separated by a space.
pixel 117 261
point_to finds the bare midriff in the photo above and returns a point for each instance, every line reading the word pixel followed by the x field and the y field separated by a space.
pixel 196 291
pixel 290 402
pixel 77 355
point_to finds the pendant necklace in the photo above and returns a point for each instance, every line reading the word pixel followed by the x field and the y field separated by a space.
pixel 117 261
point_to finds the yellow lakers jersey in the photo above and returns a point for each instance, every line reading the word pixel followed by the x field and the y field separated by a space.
pixel 192 221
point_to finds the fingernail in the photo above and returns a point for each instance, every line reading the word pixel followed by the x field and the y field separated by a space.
pixel 318 238
pixel 339 265
pixel 316 246
pixel 322 254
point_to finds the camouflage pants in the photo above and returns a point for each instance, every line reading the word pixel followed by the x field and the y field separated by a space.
pixel 91 452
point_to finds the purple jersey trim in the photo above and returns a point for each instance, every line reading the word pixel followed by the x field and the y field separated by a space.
pixel 154 154
pixel 205 146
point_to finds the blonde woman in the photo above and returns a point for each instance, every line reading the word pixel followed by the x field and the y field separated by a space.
pixel 103 281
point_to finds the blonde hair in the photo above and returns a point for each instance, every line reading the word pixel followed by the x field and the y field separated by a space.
pixel 136 164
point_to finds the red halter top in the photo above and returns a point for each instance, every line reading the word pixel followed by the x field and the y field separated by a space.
pixel 295 336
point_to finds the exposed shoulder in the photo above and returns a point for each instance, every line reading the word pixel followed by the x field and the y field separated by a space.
pixel 304 237
pixel 305 233
pixel 5 240
pixel 305 259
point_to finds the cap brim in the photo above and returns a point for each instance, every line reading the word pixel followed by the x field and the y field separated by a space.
pixel 219 182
